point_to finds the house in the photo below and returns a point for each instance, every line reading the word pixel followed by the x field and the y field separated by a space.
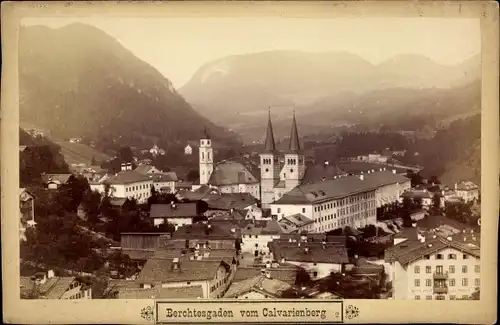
pixel 155 151
pixel 255 239
pixel 422 194
pixel 54 181
pixel 258 287
pixel 434 268
pixel 164 182
pixel 126 184
pixel 319 259
pixel 131 292
pixel 298 222
pixel 27 211
pixel 188 150
pixel 218 201
pixel 283 272
pixel 205 234
pixel 468 191
pixel 140 246
pixel 178 214
pixel 147 169
pixel 48 286
pixel 211 275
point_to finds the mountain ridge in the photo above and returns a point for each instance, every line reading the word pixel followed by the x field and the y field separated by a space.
pixel 77 81
pixel 236 87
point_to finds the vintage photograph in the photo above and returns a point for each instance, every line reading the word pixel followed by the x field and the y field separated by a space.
pixel 309 163
pixel 335 158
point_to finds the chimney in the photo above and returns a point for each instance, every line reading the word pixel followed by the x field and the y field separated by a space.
pixel 268 265
pixel 414 224
pixel 306 250
pixel 268 274
pixel 394 171
pixel 129 166
pixel 449 238
pixel 456 186
pixel 326 163
pixel 123 167
pixel 175 263
pixel 50 274
pixel 361 177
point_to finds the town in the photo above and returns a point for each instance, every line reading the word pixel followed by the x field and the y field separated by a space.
pixel 285 226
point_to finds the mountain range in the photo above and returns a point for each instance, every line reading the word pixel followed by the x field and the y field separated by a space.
pixel 239 89
pixel 77 81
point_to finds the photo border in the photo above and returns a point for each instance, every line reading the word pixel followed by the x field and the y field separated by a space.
pixel 121 311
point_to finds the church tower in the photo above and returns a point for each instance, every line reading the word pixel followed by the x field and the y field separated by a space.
pixel 206 158
pixel 294 168
pixel 269 167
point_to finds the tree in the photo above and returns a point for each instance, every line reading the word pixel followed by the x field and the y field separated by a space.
pixel 416 178
pixel 436 203
pixel 434 180
pixel 125 155
pixel 406 210
pixel 302 277
pixel 193 175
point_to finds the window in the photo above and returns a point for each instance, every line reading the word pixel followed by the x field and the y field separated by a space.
pixel 477 282
pixel 464 268
pixel 439 256
pixel 315 274
pixel 477 268
pixel 452 268
pixel 452 256
pixel 465 256
pixel 428 297
pixel 426 257
pixel 440 297
pixel 428 282
pixel 188 282
pixel 417 297
pixel 417 282
pixel 439 269
pixel 256 245
pixel 465 282
pixel 279 210
pixel 428 269
pixel 452 297
pixel 465 297
pixel 303 210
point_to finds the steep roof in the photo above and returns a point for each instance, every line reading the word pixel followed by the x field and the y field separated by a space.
pixel 127 177
pixel 260 283
pixel 298 220
pixel 466 186
pixel 339 188
pixel 191 292
pixel 310 252
pixel 318 173
pixel 412 250
pixel 203 231
pixel 164 177
pixel 286 274
pixel 269 144
pixel 177 210
pixel 294 146
pixel 162 270
pixel 56 178
pixel 229 173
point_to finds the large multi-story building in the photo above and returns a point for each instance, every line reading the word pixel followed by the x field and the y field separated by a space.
pixel 434 268
pixel 343 201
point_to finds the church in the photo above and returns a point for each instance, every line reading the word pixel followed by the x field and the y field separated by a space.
pixel 280 172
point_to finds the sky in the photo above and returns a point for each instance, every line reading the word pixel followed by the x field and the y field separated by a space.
pixel 178 47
